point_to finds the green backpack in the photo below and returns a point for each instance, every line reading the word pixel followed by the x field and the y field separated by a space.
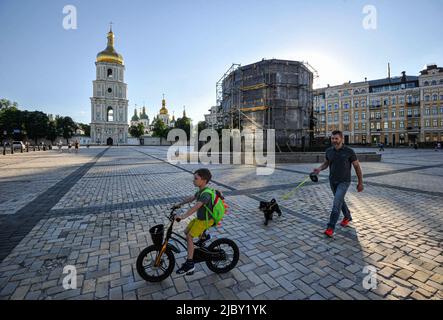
pixel 218 205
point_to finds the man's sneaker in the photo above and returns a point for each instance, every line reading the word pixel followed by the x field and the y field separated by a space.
pixel 345 222
pixel 329 232
pixel 187 267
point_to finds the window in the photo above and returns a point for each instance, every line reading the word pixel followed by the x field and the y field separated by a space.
pixel 401 113
pixel 393 124
pixel 426 83
pixel 110 114
pixel 427 111
pixel 372 125
pixel 402 100
pixel 363 126
pixel 335 117
pixel 416 112
pixel 109 90
pixel 434 97
pixel 441 110
pixel 109 73
pixel 393 114
pixel 385 114
pixel 401 124
pixel 329 107
pixel 377 115
pixel 409 99
pixel 346 116
pixel 394 100
pixel 322 108
pixel 363 103
pixel 441 97
pixel 434 83
pixel 409 112
pixel 427 123
pixel 356 115
pixel 356 125
pixel 434 123
pixel 336 106
pixel 427 98
pixel 385 101
pixel 363 115
pixel 378 126
pixel 386 125
pixel 356 105
pixel 434 111
pixel 346 105
pixel 441 81
pixel 329 118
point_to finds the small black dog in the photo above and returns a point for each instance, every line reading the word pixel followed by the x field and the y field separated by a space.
pixel 268 209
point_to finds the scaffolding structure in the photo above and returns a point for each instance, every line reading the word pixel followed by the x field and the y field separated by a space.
pixel 270 94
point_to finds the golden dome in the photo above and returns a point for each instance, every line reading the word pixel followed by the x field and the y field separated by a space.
pixel 163 110
pixel 109 54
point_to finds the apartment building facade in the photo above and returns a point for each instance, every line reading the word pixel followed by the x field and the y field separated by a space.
pixel 395 111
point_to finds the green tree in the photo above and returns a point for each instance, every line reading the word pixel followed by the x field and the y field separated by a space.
pixel 184 124
pixel 5 103
pixel 137 131
pixel 86 128
pixel 160 129
pixel 53 132
pixel 67 127
pixel 10 120
pixel 36 124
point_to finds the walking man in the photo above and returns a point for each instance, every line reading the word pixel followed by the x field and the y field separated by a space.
pixel 339 159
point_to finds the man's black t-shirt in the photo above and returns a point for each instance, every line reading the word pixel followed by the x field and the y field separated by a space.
pixel 340 163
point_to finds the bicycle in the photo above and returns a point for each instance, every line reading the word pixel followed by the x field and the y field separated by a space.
pixel 157 261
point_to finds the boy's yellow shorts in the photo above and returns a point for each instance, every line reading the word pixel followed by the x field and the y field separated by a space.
pixel 196 227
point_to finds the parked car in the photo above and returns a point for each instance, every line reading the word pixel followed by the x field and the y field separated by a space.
pixel 18 145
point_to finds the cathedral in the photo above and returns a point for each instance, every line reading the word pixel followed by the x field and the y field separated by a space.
pixel 109 104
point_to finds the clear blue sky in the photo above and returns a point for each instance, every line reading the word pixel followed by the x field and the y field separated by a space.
pixel 181 48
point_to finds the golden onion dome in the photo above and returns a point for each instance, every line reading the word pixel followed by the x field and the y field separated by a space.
pixel 109 54
pixel 163 110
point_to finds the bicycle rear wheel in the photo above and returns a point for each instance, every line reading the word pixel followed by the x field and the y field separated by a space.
pixel 229 250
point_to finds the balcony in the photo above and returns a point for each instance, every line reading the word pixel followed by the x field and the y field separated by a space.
pixel 413 128
pixel 376 106
pixel 417 115
pixel 413 104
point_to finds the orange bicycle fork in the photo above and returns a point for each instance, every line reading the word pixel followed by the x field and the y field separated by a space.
pixel 160 254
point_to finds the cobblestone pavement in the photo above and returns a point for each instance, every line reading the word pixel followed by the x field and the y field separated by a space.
pixel 93 210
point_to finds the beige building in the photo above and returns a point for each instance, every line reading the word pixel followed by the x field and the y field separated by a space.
pixel 395 110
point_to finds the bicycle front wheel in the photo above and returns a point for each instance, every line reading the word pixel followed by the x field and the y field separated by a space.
pixel 146 268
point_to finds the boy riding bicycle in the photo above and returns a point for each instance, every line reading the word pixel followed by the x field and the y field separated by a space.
pixel 204 219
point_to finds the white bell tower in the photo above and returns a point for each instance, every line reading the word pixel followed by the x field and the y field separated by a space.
pixel 109 106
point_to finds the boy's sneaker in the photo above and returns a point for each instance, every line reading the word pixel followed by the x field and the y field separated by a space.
pixel 329 232
pixel 187 267
pixel 201 241
pixel 345 222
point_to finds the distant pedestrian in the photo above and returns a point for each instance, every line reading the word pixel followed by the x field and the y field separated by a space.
pixel 76 144
pixel 381 146
pixel 69 147
pixel 439 146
